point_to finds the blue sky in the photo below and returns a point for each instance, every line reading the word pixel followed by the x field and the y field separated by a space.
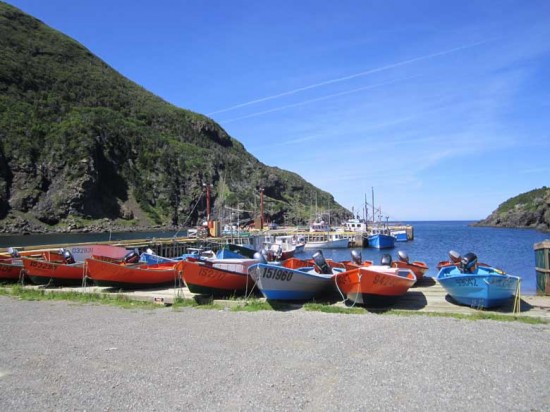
pixel 442 106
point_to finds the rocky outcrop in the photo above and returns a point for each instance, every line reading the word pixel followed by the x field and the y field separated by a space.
pixel 528 210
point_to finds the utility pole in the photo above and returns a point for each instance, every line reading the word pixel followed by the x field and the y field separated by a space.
pixel 261 207
pixel 207 186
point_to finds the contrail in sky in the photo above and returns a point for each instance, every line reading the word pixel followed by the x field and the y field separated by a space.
pixel 276 109
pixel 352 76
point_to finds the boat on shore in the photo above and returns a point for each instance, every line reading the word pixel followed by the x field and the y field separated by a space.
pixel 293 279
pixel 130 276
pixel 375 285
pixel 10 266
pixel 53 269
pixel 419 268
pixel 10 269
pixel 216 277
pixel 477 286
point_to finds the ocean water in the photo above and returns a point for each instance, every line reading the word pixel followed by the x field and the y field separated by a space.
pixel 508 249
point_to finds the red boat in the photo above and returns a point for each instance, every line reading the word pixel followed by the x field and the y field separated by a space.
pixel 216 277
pixel 418 268
pixel 131 276
pixel 55 268
pixel 10 269
pixel 375 285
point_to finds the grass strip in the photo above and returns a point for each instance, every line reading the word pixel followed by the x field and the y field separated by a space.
pixel 249 305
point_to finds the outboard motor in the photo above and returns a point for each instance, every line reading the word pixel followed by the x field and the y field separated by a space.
pixel 259 256
pixel 131 257
pixel 454 256
pixel 320 261
pixel 265 255
pixel 385 260
pixel 403 257
pixel 13 252
pixel 356 257
pixel 68 257
pixel 468 264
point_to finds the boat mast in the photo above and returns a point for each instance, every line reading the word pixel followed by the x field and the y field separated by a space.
pixel 372 188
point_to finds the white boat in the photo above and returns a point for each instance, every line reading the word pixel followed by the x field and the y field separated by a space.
pixel 330 241
pixel 295 241
pixel 320 226
pixel 354 225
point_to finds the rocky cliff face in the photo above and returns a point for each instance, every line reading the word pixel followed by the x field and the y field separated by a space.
pixel 528 210
pixel 83 148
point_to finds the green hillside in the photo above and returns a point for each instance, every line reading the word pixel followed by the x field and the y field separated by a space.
pixel 527 210
pixel 82 146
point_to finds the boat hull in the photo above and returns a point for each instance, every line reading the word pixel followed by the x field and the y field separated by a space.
pixel 381 241
pixel 282 283
pixel 223 277
pixel 43 272
pixel 375 286
pixel 419 268
pixel 329 244
pixel 10 270
pixel 486 288
pixel 118 275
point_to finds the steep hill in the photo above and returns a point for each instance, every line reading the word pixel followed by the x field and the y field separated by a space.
pixel 83 147
pixel 527 210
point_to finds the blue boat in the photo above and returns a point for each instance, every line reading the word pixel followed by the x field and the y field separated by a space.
pixel 477 286
pixel 400 235
pixel 381 241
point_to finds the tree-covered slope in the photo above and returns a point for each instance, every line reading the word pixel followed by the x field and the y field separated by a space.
pixel 527 210
pixel 79 143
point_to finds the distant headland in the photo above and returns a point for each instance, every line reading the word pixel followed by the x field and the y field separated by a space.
pixel 527 210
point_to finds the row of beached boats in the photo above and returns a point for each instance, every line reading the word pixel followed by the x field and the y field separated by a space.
pixel 230 272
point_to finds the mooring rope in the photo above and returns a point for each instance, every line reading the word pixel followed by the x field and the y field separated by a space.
pixel 189 216
pixel 517 300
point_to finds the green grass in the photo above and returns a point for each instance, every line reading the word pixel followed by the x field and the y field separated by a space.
pixel 249 305
pixel 474 316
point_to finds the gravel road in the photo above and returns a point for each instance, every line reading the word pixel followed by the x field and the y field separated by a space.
pixel 65 356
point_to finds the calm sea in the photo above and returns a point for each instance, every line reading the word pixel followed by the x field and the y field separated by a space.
pixel 508 249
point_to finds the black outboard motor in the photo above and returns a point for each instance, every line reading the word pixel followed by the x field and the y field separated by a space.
pixel 131 257
pixel 454 256
pixel 403 257
pixel 68 257
pixel 13 252
pixel 356 257
pixel 468 264
pixel 259 256
pixel 320 261
pixel 385 260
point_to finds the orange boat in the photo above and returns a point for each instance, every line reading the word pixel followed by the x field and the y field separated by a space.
pixel 375 285
pixel 55 268
pixel 10 269
pixel 130 276
pixel 217 277
pixel 418 268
